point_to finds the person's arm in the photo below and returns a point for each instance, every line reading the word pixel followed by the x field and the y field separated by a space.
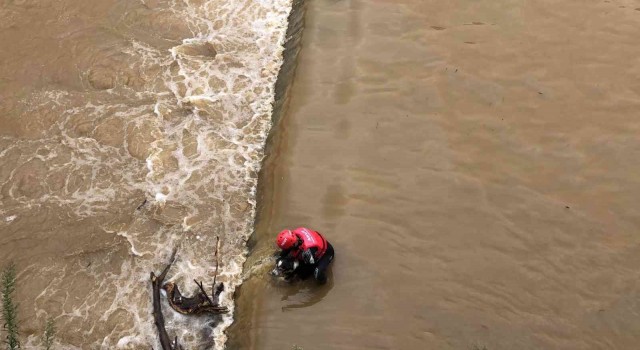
pixel 309 255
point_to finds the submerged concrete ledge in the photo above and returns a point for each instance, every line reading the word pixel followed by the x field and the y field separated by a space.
pixel 291 49
pixel 258 242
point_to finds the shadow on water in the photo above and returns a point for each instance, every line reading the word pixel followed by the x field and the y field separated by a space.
pixel 305 293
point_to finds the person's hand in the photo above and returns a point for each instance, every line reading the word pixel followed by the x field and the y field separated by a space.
pixel 308 257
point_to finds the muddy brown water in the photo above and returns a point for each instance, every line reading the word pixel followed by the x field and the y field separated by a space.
pixel 473 162
pixel 475 165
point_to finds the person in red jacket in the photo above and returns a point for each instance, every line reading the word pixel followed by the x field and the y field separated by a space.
pixel 309 248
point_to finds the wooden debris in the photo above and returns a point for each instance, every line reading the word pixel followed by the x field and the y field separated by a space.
pixel 156 283
pixel 196 305
pixel 200 303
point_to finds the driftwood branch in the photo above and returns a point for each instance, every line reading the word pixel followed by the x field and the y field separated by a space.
pixel 156 283
pixel 195 305
pixel 177 346
pixel 215 275
pixel 204 292
pixel 200 303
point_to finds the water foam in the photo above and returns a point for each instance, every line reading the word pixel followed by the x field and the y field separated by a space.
pixel 215 149
pixel 192 143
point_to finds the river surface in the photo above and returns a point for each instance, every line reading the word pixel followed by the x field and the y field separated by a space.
pixel 474 164
pixel 127 129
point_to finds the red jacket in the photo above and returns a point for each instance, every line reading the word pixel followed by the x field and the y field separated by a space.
pixel 310 239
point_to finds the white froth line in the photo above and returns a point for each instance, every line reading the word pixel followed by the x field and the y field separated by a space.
pixel 150 165
pixel 156 110
pixel 161 197
pixel 124 341
pixel 10 218
pixel 186 227
pixel 130 240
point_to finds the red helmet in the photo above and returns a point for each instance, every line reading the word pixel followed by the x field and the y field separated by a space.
pixel 286 239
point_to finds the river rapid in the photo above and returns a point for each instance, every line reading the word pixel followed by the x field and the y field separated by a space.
pixel 128 128
pixel 472 162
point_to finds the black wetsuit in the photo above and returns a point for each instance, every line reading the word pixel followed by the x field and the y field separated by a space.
pixel 308 267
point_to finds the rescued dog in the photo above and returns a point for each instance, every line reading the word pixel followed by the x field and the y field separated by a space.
pixel 285 268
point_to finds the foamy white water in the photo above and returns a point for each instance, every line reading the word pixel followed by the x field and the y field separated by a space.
pixel 183 128
pixel 231 98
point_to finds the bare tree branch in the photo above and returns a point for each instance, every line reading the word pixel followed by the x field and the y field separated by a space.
pixel 156 283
